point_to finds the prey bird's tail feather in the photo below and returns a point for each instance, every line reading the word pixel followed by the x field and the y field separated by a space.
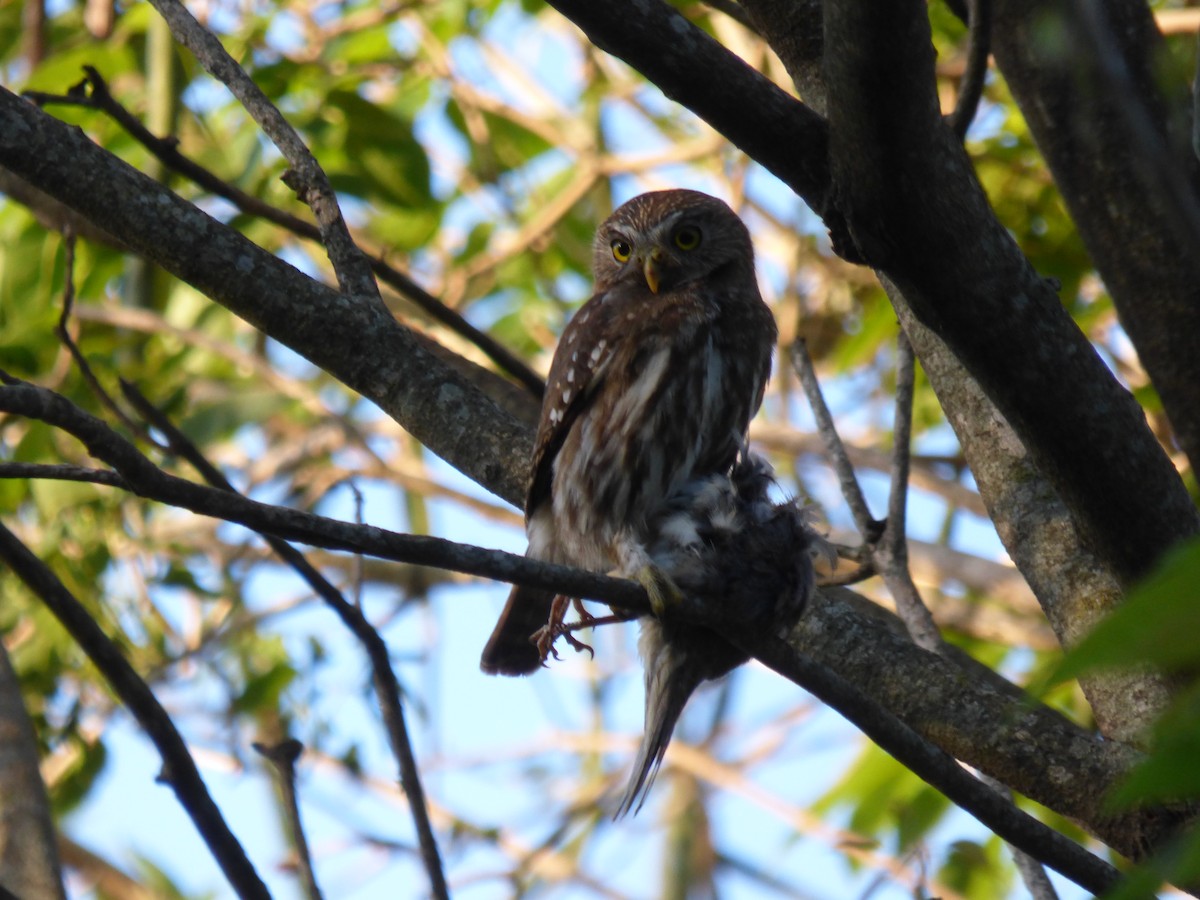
pixel 670 680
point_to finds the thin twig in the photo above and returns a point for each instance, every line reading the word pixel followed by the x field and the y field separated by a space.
pixel 970 88
pixel 61 472
pixel 306 176
pixel 891 553
pixel 166 150
pixel 386 686
pixel 867 525
pixel 64 333
pixel 179 769
pixel 282 757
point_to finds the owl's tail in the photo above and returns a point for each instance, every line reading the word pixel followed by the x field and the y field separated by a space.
pixel 671 677
pixel 509 651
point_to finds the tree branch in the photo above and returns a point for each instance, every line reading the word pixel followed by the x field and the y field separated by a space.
pixel 962 706
pixel 355 340
pixel 179 769
pixel 167 151
pixel 282 758
pixel 916 210
pixel 934 765
pixel 305 176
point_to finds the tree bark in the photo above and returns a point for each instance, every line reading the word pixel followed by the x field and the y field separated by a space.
pixel 1074 586
pixel 1116 135
pixel 29 865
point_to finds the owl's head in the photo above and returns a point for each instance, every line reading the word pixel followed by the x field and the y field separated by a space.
pixel 669 238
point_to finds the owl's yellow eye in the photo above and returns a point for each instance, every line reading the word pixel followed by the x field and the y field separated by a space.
pixel 687 237
pixel 620 249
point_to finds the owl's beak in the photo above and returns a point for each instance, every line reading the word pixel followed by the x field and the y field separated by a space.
pixel 652 269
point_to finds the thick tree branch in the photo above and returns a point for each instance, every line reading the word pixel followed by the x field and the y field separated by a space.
pixel 1073 583
pixel 916 210
pixel 355 340
pixel 961 706
pixel 1088 130
pixel 166 151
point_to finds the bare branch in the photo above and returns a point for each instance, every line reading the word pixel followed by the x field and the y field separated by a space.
pixel 890 552
pixel 64 333
pixel 167 152
pixel 970 88
pixel 179 769
pixel 306 177
pixel 868 525
pixel 282 757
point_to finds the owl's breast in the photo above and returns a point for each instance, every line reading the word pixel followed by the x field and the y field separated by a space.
pixel 676 410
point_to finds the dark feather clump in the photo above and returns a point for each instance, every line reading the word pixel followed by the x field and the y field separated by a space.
pixel 726 546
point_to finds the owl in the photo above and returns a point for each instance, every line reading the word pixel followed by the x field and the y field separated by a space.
pixel 652 387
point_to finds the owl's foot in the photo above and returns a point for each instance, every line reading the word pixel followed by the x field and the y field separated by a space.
pixel 662 590
pixel 555 627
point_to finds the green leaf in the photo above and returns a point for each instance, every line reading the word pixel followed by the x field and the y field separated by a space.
pixel 886 797
pixel 976 870
pixel 1157 625
pixel 1170 772
pixel 262 692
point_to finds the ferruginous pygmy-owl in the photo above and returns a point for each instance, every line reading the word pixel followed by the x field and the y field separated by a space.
pixel 652 386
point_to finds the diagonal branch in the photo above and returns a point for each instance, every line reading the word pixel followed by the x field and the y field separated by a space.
pixel 167 152
pixel 179 769
pixel 306 176
pixel 993 726
pixel 282 757
pixel 387 688
pixel 357 341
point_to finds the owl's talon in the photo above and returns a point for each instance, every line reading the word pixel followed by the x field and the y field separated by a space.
pixel 577 645
pixel 546 636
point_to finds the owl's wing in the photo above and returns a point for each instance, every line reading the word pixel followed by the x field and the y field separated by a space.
pixel 578 372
